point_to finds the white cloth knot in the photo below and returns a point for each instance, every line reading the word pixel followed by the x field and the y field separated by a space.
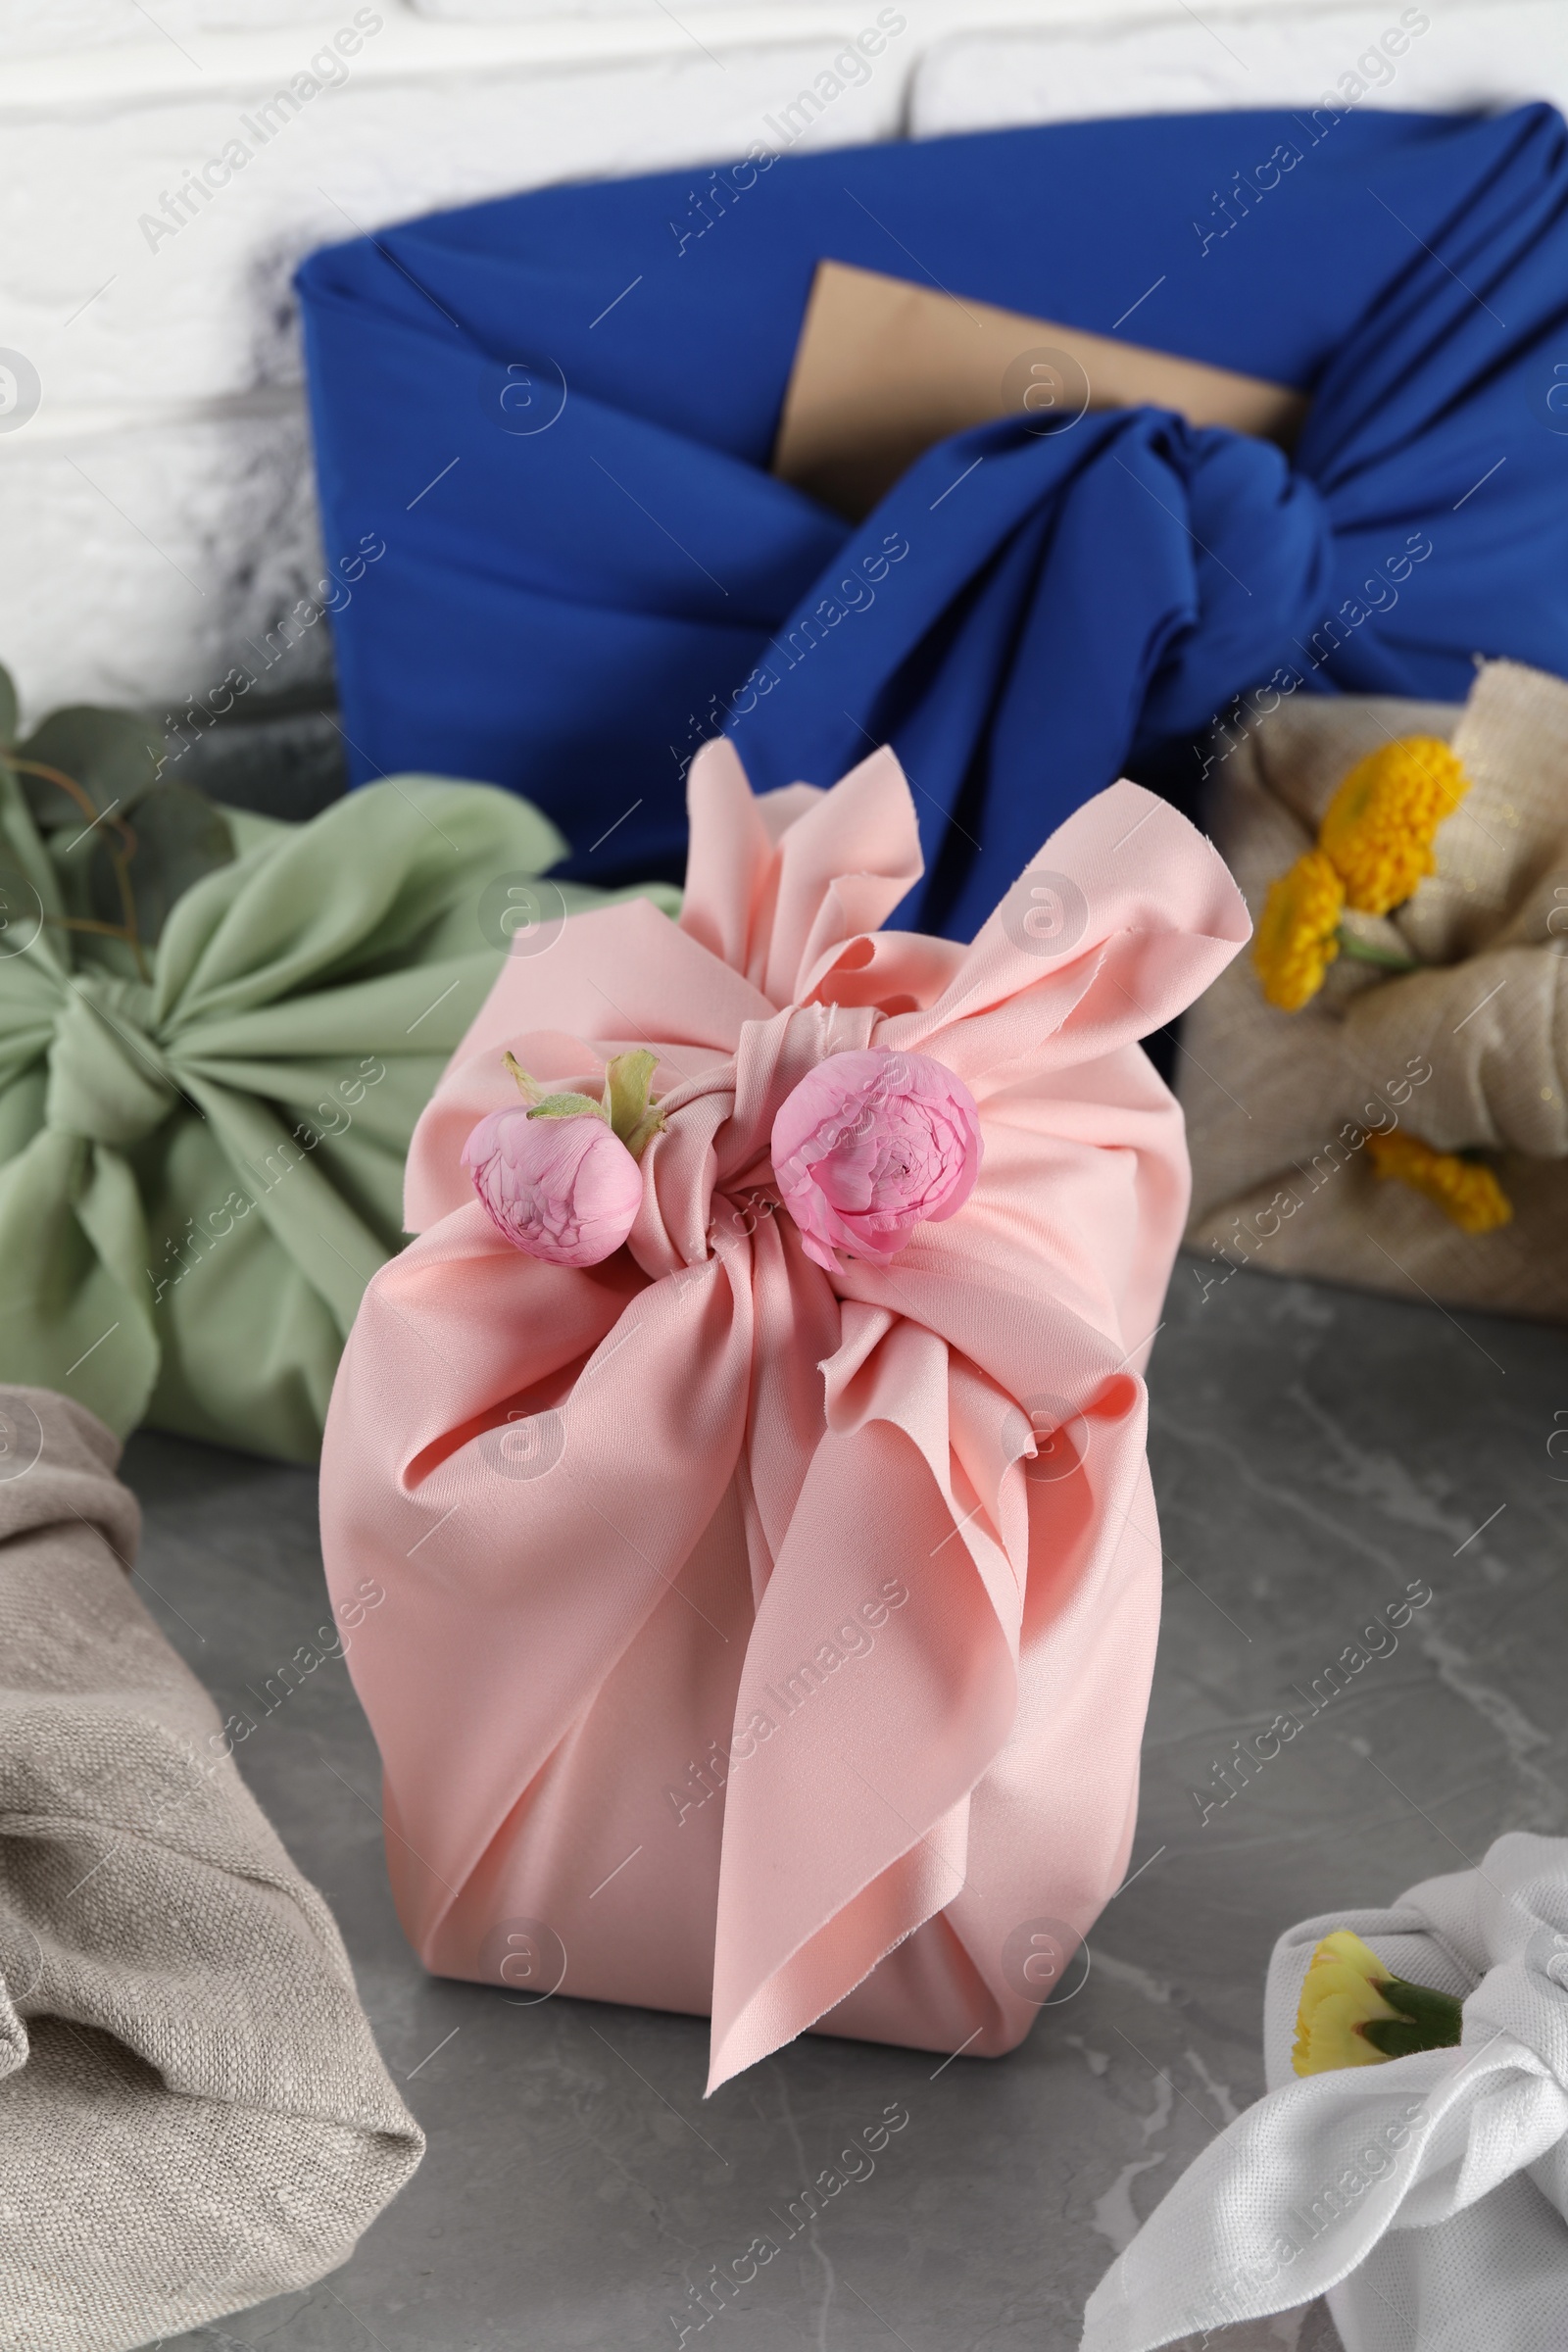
pixel 1427 2197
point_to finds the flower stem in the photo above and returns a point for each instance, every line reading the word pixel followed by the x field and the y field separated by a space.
pixel 1360 952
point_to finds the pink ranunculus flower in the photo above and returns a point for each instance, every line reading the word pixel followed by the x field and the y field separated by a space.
pixel 870 1145
pixel 565 1190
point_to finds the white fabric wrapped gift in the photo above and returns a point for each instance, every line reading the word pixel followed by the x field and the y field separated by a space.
pixel 1425 2196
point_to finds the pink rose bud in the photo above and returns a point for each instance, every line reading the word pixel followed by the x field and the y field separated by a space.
pixel 565 1190
pixel 871 1144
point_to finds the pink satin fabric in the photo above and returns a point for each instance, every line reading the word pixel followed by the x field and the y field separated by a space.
pixel 625 1516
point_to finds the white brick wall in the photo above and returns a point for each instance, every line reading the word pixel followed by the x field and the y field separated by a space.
pixel 1471 54
pixel 157 506
pixel 53 27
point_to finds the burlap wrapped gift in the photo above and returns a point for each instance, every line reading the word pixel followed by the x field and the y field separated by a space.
pixel 1469 1053
pixel 193 2115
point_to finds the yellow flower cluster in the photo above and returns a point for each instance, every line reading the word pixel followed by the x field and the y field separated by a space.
pixel 1380 826
pixel 1467 1189
pixel 1339 1995
pixel 1299 931
pixel 1374 846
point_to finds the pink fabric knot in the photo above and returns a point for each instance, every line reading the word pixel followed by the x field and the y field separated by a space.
pixel 703 1175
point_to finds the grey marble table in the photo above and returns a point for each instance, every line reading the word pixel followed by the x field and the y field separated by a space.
pixel 1315 1453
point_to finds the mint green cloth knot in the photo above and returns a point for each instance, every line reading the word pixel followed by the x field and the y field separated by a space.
pixel 200 1172
pixel 107 1079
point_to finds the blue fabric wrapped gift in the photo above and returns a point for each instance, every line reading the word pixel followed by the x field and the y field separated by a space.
pixel 559 412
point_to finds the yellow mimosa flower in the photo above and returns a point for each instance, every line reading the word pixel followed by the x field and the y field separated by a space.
pixel 1380 826
pixel 1298 931
pixel 1466 1189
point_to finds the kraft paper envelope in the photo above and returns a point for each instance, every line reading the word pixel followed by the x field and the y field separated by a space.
pixel 884 368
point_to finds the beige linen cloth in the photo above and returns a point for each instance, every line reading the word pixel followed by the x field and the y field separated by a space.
pixel 1279 1104
pixel 193 2115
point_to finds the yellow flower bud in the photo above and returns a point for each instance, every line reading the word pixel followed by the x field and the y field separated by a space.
pixel 1355 2012
pixel 1341 1995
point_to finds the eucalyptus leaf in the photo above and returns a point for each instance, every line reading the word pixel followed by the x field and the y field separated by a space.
pixel 28 885
pixel 21 903
pixel 178 838
pixel 112 754
pixel 8 706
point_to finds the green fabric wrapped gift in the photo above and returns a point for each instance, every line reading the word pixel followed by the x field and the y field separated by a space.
pixel 216 1032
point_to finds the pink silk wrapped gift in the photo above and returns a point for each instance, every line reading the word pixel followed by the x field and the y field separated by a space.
pixel 759 1643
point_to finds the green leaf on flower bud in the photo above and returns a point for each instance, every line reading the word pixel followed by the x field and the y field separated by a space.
pixel 633 1117
pixel 628 1079
pixel 529 1087
pixel 568 1106
pixel 1394 2038
pixel 1439 2017
pixel 1398 2037
pixel 643 1134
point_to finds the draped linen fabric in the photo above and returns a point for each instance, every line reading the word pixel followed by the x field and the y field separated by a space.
pixel 200 1171
pixel 758 1640
pixel 193 2115
pixel 605 572
pixel 1427 2197
pixel 1470 1053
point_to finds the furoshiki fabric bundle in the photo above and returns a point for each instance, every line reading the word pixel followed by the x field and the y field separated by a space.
pixel 201 1150
pixel 762 1640
pixel 560 409
pixel 1425 2196
pixel 193 2113
pixel 1437 1068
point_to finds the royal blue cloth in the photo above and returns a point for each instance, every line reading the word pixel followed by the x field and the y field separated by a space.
pixel 558 411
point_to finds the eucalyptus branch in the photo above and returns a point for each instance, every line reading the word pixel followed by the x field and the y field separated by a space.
pixel 84 923
pixel 118 858
pixel 55 775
